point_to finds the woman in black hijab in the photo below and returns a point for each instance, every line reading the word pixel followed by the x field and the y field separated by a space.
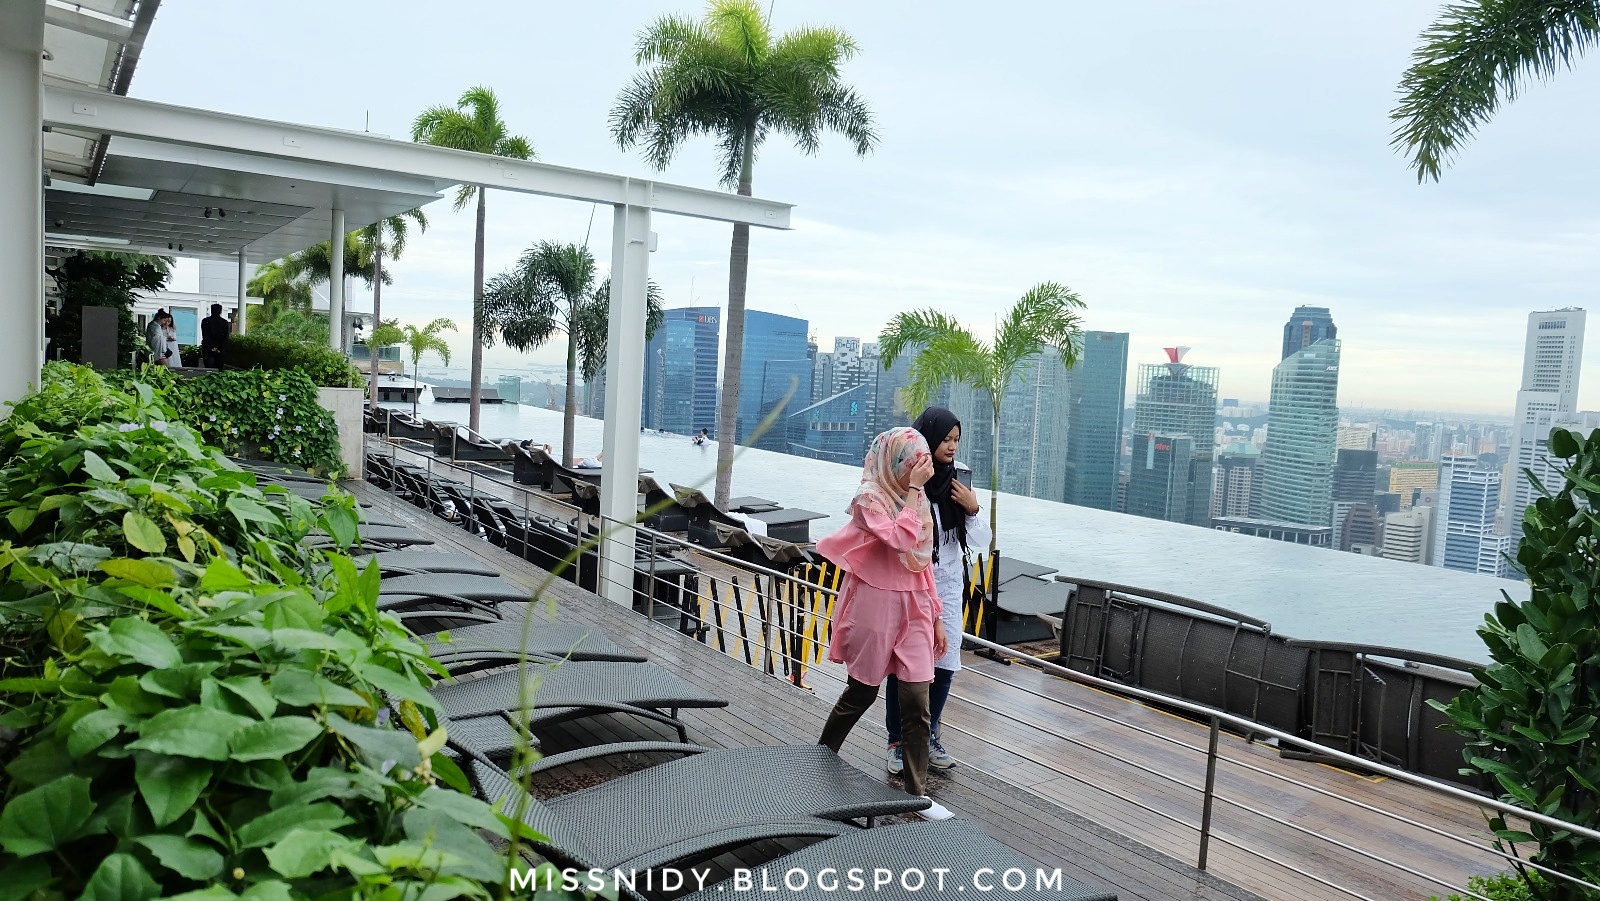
pixel 957 526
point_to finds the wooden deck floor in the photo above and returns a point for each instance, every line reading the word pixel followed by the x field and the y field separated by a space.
pixel 1105 788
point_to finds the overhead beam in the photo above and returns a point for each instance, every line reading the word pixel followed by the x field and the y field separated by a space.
pixel 70 107
pixel 73 18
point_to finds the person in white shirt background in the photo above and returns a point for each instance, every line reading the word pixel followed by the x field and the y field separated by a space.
pixel 957 526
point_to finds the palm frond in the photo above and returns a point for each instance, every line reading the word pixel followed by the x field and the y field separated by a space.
pixel 516 147
pixel 593 324
pixel 667 38
pixel 739 26
pixel 481 104
pixel 1473 56
pixel 913 329
pixel 948 358
pixel 1046 316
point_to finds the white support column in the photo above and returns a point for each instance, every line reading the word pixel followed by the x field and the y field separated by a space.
pixel 619 490
pixel 21 198
pixel 336 282
pixel 239 314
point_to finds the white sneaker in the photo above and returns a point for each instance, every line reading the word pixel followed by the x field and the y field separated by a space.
pixel 936 811
pixel 895 763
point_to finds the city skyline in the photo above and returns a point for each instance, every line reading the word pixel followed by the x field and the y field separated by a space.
pixel 1205 194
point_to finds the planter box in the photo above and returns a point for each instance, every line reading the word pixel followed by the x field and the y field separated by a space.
pixel 347 406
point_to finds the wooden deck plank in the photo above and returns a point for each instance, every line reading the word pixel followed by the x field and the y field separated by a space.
pixel 1059 803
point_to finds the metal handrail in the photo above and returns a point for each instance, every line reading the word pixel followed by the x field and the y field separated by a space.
pixel 1218 718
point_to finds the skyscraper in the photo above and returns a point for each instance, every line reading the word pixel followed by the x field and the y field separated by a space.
pixel 771 339
pixel 1295 478
pixel 1407 535
pixel 1405 478
pixel 1033 435
pixel 1552 360
pixel 1355 476
pixel 680 371
pixel 1306 327
pixel 1095 400
pixel 1464 537
pixel 1233 479
pixel 1174 400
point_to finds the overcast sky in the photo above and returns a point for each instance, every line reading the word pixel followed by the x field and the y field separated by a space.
pixel 1194 171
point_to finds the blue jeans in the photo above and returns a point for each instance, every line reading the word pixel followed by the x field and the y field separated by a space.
pixel 938 693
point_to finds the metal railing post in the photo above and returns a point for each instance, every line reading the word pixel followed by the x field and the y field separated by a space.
pixel 650 583
pixel 1210 793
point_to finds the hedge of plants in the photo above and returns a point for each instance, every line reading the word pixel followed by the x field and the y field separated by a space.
pixel 258 413
pixel 326 367
pixel 193 703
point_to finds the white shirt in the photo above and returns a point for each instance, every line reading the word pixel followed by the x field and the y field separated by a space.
pixel 948 582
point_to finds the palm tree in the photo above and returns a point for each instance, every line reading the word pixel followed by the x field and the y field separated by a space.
pixel 279 290
pixel 552 289
pixel 385 234
pixel 727 77
pixel 1474 53
pixel 473 124
pixel 944 352
pixel 419 342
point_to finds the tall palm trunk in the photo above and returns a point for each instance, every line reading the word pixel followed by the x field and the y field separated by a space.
pixel 733 350
pixel 377 311
pixel 475 395
pixel 994 475
pixel 416 394
pixel 569 415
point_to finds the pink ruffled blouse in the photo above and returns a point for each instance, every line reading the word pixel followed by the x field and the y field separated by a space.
pixel 883 621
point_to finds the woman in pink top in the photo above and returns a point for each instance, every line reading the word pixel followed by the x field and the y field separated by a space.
pixel 886 621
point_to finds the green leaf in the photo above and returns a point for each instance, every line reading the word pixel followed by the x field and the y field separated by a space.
pixel 248 511
pixel 198 732
pixel 463 809
pixel 24 878
pixel 380 744
pixel 98 468
pixel 184 856
pixel 274 738
pixel 214 893
pixel 149 573
pixel 341 523
pixel 273 826
pixel 170 785
pixel 96 729
pixel 298 688
pixel 392 683
pixel 137 640
pixel 252 691
pixel 303 852
pixel 120 877
pixel 143 533
pixel 267 891
pixel 220 575
pixel 21 518
pixel 44 819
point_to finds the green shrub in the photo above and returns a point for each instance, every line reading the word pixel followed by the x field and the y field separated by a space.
pixel 1502 887
pixel 274 415
pixel 192 702
pixel 1530 724
pixel 325 367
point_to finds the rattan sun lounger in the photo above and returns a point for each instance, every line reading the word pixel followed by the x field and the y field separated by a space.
pixel 567 691
pixel 969 859
pixel 694 808
pixel 478 641
pixel 415 562
pixel 490 589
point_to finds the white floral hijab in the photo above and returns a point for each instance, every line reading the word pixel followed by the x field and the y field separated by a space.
pixel 892 456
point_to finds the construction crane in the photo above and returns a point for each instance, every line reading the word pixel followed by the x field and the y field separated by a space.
pixel 549 388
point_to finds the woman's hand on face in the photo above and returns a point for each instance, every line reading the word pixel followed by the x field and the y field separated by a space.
pixel 921 473
pixel 964 496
